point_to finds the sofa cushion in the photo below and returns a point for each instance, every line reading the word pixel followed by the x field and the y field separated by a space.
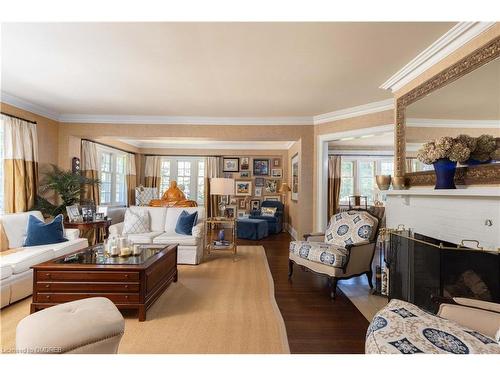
pixel 173 214
pixel 5 271
pixel 186 222
pixel 329 254
pixel 136 221
pixel 403 328
pixel 23 258
pixel 350 228
pixel 143 237
pixel 180 239
pixel 65 248
pixel 156 216
pixel 41 233
pixel 15 225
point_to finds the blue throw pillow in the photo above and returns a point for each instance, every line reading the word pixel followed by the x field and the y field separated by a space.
pixel 40 233
pixel 186 222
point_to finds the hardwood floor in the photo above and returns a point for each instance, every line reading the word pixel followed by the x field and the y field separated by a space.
pixel 314 323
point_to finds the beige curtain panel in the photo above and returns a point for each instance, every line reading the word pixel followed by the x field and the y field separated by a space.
pixel 90 169
pixel 20 164
pixel 152 171
pixel 213 170
pixel 334 180
pixel 131 179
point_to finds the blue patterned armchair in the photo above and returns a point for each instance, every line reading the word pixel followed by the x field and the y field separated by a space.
pixel 274 223
pixel 345 250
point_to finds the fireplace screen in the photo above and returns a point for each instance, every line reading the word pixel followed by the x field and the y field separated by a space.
pixel 421 266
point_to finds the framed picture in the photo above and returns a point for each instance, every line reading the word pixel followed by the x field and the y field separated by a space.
pixel 272 186
pixel 224 199
pixel 243 187
pixel 228 175
pixel 276 163
pixel 273 198
pixel 74 213
pixel 242 204
pixel 245 163
pixel 261 167
pixel 254 204
pixel 233 200
pixel 230 211
pixel 245 174
pixel 277 172
pixel 295 177
pixel 258 191
pixel 231 164
pixel 260 182
pixel 242 214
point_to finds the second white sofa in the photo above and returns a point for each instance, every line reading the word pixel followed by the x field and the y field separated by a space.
pixel 16 275
pixel 162 231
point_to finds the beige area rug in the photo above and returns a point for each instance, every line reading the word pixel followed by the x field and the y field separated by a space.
pixel 223 305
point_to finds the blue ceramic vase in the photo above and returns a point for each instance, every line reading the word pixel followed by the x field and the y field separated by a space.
pixel 445 173
pixel 220 236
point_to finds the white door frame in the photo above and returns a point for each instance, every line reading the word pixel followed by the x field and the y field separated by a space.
pixel 322 167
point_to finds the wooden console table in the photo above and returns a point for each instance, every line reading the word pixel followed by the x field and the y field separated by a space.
pixel 86 226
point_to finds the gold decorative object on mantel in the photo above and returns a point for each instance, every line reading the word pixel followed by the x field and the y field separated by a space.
pixel 173 197
pixel 478 174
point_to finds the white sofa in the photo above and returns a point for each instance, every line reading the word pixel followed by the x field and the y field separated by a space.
pixel 162 231
pixel 16 275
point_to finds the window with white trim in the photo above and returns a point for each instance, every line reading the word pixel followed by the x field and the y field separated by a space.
pixel 112 173
pixel 189 172
pixel 358 176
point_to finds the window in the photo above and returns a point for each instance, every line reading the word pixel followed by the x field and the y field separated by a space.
pixel 358 176
pixel 1 167
pixel 113 188
pixel 189 172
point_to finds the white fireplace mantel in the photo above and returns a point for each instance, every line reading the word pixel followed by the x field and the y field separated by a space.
pixel 486 192
pixel 471 213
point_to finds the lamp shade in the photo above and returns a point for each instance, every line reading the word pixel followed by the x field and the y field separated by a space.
pixel 284 188
pixel 221 186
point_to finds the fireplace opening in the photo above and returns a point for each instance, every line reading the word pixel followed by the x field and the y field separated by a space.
pixel 419 268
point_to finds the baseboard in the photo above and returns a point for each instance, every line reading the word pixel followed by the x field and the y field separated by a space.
pixel 291 230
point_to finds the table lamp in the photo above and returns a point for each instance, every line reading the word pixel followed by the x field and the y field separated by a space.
pixel 222 187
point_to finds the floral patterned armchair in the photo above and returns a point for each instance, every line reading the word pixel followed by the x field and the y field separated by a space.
pixel 345 250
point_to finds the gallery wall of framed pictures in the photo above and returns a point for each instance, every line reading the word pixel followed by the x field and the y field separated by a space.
pixel 257 178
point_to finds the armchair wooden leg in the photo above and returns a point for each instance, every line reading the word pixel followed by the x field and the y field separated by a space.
pixel 333 286
pixel 369 276
pixel 290 268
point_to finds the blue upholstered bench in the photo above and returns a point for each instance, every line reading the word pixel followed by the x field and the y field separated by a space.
pixel 252 229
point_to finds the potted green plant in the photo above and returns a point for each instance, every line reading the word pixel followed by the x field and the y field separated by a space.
pixel 67 185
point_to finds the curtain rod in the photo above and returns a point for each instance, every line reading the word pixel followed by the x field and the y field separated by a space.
pixel 104 144
pixel 19 118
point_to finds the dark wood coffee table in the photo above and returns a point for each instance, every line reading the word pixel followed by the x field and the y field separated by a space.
pixel 134 282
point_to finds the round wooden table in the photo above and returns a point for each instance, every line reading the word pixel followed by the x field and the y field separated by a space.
pixel 86 226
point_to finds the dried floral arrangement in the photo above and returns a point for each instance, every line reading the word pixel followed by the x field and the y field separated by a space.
pixel 460 149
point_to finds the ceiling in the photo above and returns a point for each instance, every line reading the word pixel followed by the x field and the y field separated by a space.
pixel 475 96
pixel 207 69
pixel 368 141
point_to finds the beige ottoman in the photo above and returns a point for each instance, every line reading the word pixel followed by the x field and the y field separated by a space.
pixel 92 325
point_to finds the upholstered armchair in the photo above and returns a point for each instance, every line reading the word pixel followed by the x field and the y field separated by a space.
pixel 275 223
pixel 345 250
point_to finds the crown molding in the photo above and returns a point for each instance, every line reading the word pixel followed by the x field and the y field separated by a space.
pixel 183 120
pixel 28 106
pixel 449 123
pixel 209 144
pixel 359 110
pixel 455 38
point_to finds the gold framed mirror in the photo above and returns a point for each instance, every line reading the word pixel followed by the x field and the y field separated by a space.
pixel 435 94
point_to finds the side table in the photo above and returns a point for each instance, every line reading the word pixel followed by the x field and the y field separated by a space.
pixel 209 233
pixel 97 226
